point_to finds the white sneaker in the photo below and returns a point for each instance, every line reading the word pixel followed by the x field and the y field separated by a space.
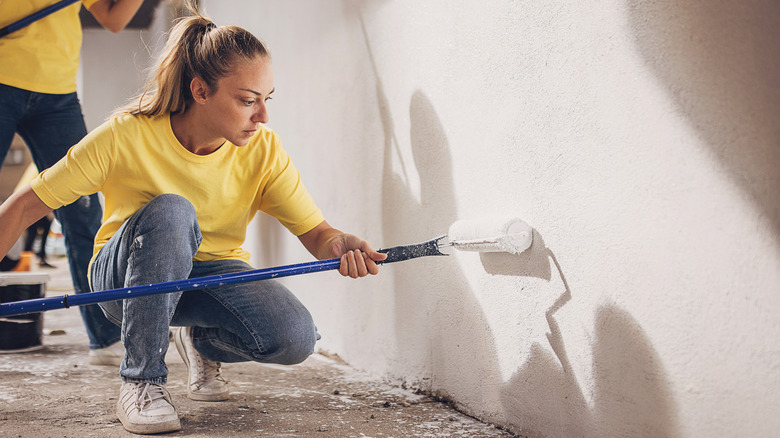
pixel 146 408
pixel 205 381
pixel 111 355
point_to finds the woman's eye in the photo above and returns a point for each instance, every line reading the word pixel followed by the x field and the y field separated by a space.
pixel 249 102
pixel 267 99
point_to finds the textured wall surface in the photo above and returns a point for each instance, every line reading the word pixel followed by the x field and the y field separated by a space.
pixel 641 141
pixel 114 66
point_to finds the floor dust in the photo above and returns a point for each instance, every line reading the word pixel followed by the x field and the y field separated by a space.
pixel 54 392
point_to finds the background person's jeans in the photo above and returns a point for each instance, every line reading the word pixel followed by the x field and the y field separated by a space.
pixel 260 321
pixel 50 124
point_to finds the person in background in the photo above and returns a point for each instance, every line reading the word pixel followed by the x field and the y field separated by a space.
pixel 38 229
pixel 11 260
pixel 38 66
pixel 183 172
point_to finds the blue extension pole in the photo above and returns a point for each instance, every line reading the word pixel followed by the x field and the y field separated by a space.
pixel 394 254
pixel 35 16
pixel 65 301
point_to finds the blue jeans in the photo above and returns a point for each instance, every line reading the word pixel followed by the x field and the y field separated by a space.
pixel 50 124
pixel 260 321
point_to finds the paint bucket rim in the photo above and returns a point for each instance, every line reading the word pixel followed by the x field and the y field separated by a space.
pixel 14 278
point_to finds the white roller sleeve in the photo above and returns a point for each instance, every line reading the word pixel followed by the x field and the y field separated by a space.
pixel 491 235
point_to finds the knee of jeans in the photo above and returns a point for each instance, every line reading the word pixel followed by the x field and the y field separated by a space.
pixel 176 206
pixel 174 213
pixel 113 311
pixel 294 347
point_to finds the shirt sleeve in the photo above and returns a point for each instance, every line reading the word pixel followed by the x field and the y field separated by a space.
pixel 82 171
pixel 286 198
pixel 88 3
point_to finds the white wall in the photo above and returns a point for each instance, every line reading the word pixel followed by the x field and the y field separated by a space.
pixel 639 139
pixel 114 66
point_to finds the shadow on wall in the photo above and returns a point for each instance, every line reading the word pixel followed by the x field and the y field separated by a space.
pixel 543 398
pixel 440 324
pixel 631 397
pixel 721 63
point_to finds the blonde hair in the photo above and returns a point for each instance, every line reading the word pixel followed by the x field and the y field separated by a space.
pixel 196 47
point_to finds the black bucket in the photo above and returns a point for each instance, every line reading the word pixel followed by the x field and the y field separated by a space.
pixel 21 333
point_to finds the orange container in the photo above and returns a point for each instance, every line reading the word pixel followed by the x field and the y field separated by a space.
pixel 25 262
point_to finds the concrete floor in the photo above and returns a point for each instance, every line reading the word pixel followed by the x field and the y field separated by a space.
pixel 54 392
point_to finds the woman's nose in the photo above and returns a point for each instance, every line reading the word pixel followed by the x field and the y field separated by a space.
pixel 261 115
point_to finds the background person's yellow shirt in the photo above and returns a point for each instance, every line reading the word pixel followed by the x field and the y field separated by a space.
pixel 44 56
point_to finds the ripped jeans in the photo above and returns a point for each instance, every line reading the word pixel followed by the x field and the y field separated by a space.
pixel 259 321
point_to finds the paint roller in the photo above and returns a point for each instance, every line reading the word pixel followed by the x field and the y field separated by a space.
pixel 491 235
pixel 509 235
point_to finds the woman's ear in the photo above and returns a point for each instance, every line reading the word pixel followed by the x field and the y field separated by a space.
pixel 199 90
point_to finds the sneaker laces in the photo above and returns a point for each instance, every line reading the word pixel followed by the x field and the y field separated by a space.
pixel 208 371
pixel 147 394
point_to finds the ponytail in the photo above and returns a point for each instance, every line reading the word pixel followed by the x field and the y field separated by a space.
pixel 196 47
